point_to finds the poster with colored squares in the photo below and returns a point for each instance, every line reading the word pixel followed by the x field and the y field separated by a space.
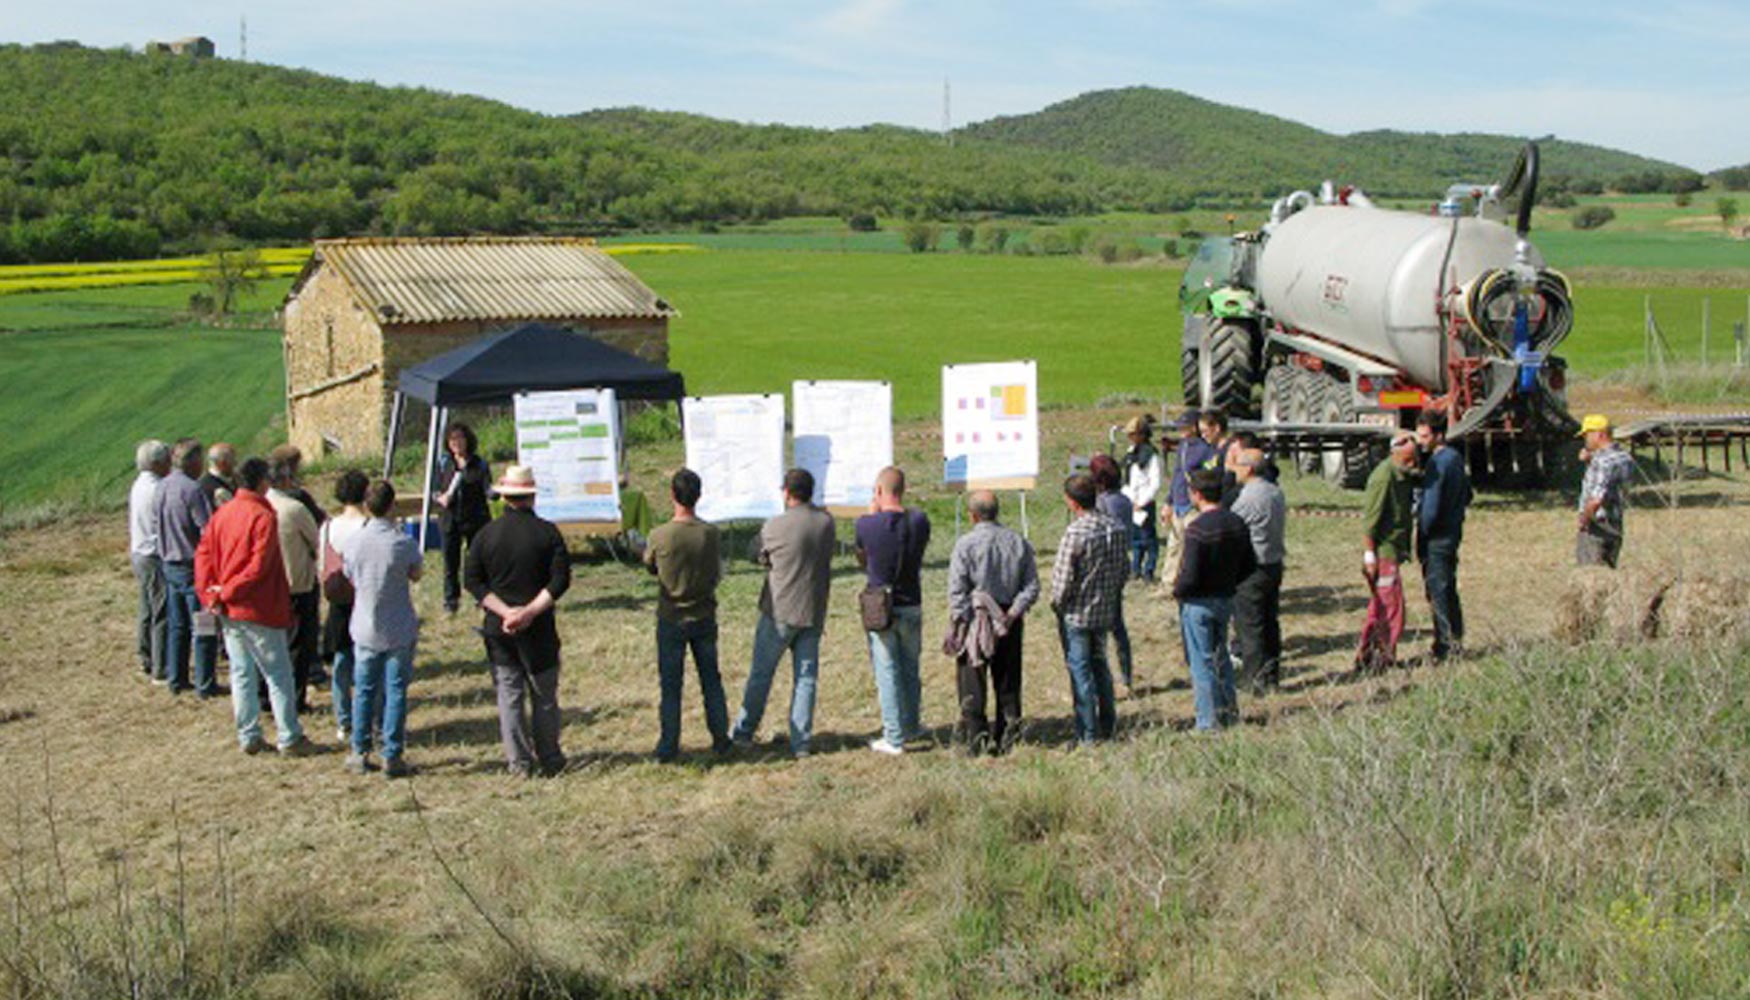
pixel 990 422
pixel 570 440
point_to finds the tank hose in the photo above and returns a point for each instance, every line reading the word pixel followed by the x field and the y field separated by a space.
pixel 1487 306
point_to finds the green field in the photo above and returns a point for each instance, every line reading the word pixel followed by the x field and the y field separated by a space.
pixel 93 371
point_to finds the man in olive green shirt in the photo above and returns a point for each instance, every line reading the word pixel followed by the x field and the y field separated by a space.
pixel 686 558
pixel 1386 522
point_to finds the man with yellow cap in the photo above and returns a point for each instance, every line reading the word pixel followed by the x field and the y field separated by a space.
pixel 1602 494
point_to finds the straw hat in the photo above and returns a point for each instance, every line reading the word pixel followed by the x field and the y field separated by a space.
pixel 517 481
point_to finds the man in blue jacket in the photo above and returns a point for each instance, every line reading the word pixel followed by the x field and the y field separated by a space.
pixel 1446 494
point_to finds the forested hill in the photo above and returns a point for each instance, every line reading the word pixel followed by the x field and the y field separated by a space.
pixel 107 153
pixel 1216 146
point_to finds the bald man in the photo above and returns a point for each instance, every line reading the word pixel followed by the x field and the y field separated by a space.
pixel 891 540
pixel 1258 599
pixel 1385 535
pixel 220 480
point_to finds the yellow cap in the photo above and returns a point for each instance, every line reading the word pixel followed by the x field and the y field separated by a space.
pixel 1594 422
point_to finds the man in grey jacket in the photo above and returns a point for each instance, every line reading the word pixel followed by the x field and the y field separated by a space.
pixel 993 580
pixel 796 548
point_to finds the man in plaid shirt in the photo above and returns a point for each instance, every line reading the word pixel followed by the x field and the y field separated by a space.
pixel 1608 471
pixel 1087 580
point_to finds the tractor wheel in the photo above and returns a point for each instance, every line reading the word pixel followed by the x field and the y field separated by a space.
pixel 1227 370
pixel 1188 344
pixel 1280 390
pixel 1348 466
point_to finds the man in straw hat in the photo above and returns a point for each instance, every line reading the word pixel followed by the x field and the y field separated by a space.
pixel 1602 493
pixel 1388 514
pixel 517 570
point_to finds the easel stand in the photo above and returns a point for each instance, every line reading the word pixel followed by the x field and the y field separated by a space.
pixel 1020 485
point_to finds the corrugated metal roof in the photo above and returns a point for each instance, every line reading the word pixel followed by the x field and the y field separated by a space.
pixel 488 278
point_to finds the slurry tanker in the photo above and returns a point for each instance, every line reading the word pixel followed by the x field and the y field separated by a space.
pixel 1339 320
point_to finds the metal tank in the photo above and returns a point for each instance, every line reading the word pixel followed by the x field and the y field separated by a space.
pixel 1368 278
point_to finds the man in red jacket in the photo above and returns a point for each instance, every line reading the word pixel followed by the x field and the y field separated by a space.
pixel 241 577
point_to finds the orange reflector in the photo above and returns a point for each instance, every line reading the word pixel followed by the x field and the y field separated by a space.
pixel 1403 397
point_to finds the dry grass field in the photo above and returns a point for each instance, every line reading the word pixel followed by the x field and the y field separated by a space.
pixel 144 854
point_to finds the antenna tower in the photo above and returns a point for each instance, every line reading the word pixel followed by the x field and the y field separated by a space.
pixel 243 38
pixel 947 114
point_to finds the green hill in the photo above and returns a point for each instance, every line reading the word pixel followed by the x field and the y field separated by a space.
pixel 107 154
pixel 1218 148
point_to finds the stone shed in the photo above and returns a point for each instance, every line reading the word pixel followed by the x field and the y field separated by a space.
pixel 363 309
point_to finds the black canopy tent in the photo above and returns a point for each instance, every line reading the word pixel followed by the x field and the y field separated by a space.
pixel 527 358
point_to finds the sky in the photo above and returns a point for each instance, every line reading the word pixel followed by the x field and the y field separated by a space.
pixel 1667 80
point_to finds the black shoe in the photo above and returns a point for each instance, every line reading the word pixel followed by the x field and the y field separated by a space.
pixel 396 767
pixel 217 691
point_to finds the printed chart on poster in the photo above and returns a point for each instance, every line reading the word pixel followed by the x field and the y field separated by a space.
pixel 990 421
pixel 844 438
pixel 736 445
pixel 570 440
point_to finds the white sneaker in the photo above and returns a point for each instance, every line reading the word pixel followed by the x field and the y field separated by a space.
pixel 343 735
pixel 882 746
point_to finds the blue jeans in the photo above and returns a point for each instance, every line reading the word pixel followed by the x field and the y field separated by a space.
pixel 673 639
pixel 769 642
pixel 341 690
pixel 254 650
pixel 1145 546
pixel 1090 682
pixel 184 604
pixel 894 652
pixel 391 670
pixel 1203 623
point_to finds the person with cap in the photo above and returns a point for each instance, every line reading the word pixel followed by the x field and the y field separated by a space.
pixel 1142 470
pixel 1603 494
pixel 152 459
pixel 796 548
pixel 241 578
pixel 517 569
pixel 1385 532
pixel 1446 495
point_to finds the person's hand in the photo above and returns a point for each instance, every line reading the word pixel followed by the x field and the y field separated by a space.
pixel 1585 454
pixel 1370 570
pixel 1583 521
pixel 512 622
pixel 442 500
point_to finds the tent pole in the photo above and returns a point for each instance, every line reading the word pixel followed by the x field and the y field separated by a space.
pixel 431 446
pixel 397 411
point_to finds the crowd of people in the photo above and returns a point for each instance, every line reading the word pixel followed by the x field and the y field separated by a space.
pixel 240 555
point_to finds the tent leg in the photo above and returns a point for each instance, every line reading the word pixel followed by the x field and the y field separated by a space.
pixel 397 411
pixel 431 447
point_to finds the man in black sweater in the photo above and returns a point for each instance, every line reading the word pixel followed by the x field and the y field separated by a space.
pixel 517 570
pixel 1218 555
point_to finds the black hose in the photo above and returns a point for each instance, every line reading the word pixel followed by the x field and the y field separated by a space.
pixel 1522 179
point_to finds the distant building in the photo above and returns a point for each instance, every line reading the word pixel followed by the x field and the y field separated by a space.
pixel 363 309
pixel 193 47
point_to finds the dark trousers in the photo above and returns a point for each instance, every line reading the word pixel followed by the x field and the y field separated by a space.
pixel 673 639
pixel 1597 547
pixel 455 536
pixel 1258 624
pixel 525 671
pixel 977 731
pixel 1121 640
pixel 305 642
pixel 1439 557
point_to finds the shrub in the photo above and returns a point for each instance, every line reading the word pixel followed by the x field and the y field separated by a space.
pixel 1559 199
pixel 993 238
pixel 964 235
pixel 863 222
pixel 1682 200
pixel 1593 216
pixel 921 236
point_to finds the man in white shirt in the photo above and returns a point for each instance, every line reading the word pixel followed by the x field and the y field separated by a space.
pixel 1142 481
pixel 152 458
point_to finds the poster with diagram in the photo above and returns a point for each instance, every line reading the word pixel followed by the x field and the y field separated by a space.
pixel 843 437
pixel 736 445
pixel 990 422
pixel 570 440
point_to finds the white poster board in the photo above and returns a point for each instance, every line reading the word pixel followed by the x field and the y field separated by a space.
pixel 990 421
pixel 736 445
pixel 570 440
pixel 844 438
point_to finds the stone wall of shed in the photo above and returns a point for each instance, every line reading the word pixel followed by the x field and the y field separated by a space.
pixel 329 336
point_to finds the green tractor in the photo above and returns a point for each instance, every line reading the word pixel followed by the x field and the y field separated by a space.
pixel 1219 350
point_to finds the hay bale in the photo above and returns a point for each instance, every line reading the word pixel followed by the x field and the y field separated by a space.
pixel 1706 607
